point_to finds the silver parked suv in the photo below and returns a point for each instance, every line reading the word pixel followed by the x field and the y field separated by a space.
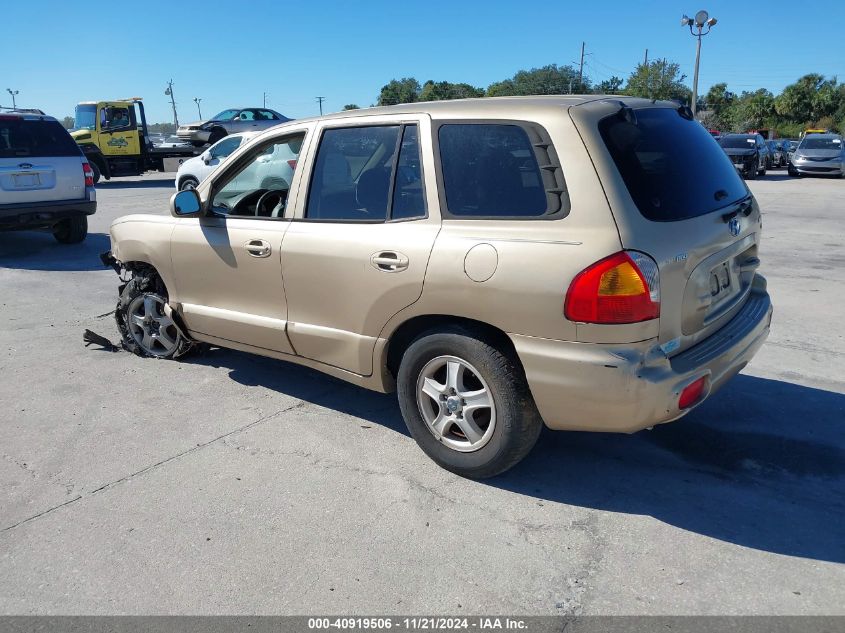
pixel 585 262
pixel 45 181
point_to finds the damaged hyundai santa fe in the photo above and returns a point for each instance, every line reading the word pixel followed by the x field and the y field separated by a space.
pixel 585 262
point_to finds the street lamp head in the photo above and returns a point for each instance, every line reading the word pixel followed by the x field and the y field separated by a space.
pixel 701 18
pixel 685 20
pixel 711 22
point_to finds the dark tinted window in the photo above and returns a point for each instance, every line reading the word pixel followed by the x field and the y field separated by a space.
pixel 490 170
pixel 738 142
pixel 408 199
pixel 20 137
pixel 672 167
pixel 351 179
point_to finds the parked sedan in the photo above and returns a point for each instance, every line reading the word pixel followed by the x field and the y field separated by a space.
pixel 819 154
pixel 748 153
pixel 228 122
pixel 172 141
pixel 777 153
pixel 194 170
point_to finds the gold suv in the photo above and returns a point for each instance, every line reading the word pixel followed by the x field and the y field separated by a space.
pixel 584 262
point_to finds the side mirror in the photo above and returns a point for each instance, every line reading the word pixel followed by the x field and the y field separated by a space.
pixel 206 157
pixel 185 204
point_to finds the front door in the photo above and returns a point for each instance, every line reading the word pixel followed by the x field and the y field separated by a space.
pixel 357 252
pixel 228 263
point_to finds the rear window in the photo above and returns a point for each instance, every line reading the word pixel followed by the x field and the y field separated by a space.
pixel 672 167
pixel 22 137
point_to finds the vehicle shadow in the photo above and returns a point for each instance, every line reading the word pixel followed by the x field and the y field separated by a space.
pixel 760 465
pixel 776 177
pixel 36 250
pixel 308 385
pixel 148 183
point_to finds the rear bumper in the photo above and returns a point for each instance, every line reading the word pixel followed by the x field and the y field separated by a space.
pixel 39 214
pixel 626 388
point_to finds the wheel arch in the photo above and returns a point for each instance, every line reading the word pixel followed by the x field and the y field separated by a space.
pixel 408 331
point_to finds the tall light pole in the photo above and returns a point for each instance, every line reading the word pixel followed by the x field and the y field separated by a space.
pixel 702 19
pixel 197 101
pixel 13 93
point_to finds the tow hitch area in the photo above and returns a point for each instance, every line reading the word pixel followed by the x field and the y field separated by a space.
pixel 108 260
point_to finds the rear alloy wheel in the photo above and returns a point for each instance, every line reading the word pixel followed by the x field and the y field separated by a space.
pixel 466 403
pixel 71 230
pixel 188 182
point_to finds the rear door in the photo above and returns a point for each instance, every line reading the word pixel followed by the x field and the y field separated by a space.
pixel 357 252
pixel 677 197
pixel 39 161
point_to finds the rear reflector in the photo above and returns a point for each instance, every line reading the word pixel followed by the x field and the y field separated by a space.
pixel 622 288
pixel 692 393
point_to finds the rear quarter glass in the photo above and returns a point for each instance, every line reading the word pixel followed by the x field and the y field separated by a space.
pixel 670 164
pixel 25 137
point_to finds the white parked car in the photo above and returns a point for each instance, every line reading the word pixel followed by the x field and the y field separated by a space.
pixel 194 170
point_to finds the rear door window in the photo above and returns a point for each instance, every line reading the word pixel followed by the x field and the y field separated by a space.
pixel 671 165
pixel 22 137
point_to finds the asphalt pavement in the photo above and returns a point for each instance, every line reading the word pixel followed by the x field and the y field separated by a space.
pixel 234 484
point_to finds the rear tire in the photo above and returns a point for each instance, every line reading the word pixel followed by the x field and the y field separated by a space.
pixel 71 230
pixel 96 169
pixel 484 425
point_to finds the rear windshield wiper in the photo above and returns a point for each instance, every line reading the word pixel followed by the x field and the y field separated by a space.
pixel 744 207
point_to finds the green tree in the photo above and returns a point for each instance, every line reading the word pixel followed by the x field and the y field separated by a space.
pixel 610 86
pixel 351 106
pixel 659 79
pixel 444 90
pixel 547 80
pixel 68 122
pixel 405 90
pixel 805 100
pixel 754 110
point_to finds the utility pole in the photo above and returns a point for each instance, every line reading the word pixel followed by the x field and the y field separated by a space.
pixel 197 101
pixel 647 73
pixel 320 101
pixel 169 93
pixel 581 70
pixel 13 93
pixel 265 100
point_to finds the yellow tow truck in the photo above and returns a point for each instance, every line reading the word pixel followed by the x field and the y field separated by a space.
pixel 113 136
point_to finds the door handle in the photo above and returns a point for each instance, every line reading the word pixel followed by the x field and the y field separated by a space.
pixel 389 261
pixel 258 248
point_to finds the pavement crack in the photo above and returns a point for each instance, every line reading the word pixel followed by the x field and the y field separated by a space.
pixel 158 464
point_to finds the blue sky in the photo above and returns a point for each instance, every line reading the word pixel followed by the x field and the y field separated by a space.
pixel 228 53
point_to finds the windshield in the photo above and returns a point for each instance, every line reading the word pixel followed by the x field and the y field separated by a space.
pixel 821 143
pixel 86 117
pixel 671 166
pixel 225 115
pixel 737 142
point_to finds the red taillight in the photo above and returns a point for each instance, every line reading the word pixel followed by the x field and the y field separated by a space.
pixel 292 163
pixel 622 288
pixel 692 393
pixel 89 174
